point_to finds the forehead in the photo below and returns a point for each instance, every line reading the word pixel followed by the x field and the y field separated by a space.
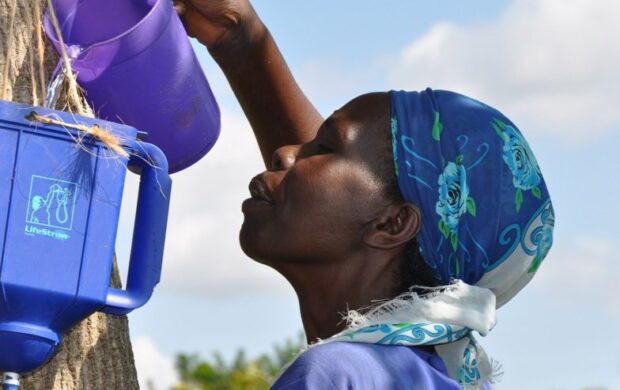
pixel 360 131
pixel 366 116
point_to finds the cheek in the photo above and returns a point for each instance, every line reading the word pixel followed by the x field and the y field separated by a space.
pixel 322 213
pixel 340 196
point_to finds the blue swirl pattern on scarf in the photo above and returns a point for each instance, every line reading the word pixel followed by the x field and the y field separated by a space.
pixel 474 178
pixel 405 333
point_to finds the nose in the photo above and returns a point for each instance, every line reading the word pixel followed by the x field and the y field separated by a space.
pixel 284 157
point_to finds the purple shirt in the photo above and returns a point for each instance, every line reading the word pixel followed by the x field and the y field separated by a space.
pixel 359 366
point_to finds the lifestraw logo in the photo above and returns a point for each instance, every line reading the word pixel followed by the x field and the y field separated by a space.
pixel 51 203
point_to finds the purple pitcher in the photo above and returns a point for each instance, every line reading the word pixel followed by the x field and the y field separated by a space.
pixel 136 65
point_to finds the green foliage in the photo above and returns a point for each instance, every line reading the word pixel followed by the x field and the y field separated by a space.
pixel 240 374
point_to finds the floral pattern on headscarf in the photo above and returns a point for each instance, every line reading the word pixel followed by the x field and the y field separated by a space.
pixel 454 200
pixel 464 164
pixel 518 156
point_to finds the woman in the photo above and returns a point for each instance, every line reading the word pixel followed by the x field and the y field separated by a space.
pixel 431 202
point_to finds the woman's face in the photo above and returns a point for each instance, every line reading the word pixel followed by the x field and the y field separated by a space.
pixel 318 198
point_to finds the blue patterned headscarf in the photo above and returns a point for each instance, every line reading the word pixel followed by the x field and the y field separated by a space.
pixel 487 224
pixel 476 181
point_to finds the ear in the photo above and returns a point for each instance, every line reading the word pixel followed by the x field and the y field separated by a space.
pixel 397 224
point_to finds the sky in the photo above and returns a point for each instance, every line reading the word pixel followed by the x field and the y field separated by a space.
pixel 549 65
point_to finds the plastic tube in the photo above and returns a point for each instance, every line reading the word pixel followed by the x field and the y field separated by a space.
pixel 10 381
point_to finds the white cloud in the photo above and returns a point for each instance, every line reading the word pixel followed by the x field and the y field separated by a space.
pixel 202 253
pixel 583 272
pixel 155 370
pixel 549 64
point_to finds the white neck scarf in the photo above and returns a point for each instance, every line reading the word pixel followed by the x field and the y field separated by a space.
pixel 444 317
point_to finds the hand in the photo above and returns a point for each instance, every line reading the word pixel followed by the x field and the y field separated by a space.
pixel 278 111
pixel 214 22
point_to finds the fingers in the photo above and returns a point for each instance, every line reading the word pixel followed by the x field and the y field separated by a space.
pixel 179 7
pixel 188 15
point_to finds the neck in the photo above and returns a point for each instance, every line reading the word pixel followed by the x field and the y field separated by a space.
pixel 327 290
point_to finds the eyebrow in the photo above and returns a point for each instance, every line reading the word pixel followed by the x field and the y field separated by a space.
pixel 329 123
pixel 332 131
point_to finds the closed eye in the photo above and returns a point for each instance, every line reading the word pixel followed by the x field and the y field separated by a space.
pixel 322 149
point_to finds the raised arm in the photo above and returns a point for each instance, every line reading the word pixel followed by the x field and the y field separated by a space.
pixel 278 111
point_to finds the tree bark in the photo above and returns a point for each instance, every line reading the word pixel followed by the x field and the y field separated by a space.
pixel 95 354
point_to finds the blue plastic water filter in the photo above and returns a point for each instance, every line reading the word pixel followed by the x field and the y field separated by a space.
pixel 59 211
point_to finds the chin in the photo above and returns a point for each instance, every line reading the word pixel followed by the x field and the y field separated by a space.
pixel 250 242
pixel 264 246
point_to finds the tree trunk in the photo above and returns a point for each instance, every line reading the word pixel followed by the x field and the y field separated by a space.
pixel 96 354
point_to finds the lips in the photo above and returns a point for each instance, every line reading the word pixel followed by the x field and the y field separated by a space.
pixel 259 190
